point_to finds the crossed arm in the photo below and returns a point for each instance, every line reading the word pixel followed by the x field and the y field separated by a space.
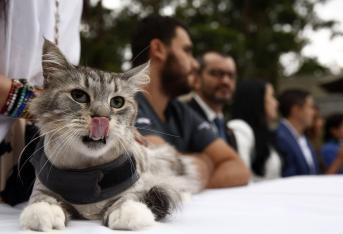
pixel 219 165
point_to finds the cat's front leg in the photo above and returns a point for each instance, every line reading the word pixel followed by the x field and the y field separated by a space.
pixel 43 216
pixel 129 215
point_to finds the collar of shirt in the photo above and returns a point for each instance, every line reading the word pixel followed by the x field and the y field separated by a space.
pixel 211 115
pixel 292 129
pixel 301 139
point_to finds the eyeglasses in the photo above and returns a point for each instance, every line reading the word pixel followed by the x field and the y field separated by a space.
pixel 219 73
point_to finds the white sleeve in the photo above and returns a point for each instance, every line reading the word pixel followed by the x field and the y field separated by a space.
pixel 245 139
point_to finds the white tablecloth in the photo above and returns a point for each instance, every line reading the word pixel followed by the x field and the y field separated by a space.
pixel 294 205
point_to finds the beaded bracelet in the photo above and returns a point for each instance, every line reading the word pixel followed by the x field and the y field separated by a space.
pixel 22 104
pixel 19 96
pixel 11 96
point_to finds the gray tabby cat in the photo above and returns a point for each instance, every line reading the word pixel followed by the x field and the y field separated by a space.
pixel 87 120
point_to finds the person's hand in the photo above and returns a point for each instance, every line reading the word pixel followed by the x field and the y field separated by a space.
pixel 340 153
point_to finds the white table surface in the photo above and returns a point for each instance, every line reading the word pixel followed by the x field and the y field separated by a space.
pixel 293 205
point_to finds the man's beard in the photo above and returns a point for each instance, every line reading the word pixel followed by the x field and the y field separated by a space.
pixel 213 98
pixel 174 82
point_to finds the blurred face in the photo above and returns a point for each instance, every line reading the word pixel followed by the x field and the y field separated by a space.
pixel 318 122
pixel 306 112
pixel 338 132
pixel 217 81
pixel 179 65
pixel 270 104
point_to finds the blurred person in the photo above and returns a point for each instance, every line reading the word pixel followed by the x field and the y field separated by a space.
pixel 162 118
pixel 214 84
pixel 254 113
pixel 23 25
pixel 315 136
pixel 332 149
pixel 315 131
pixel 297 109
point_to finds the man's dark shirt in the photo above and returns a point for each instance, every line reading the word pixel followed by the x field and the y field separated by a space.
pixel 182 128
pixel 229 134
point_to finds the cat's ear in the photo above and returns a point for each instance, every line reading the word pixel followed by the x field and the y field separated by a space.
pixel 138 76
pixel 53 61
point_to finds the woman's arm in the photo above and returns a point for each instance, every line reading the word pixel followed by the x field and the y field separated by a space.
pixel 15 96
pixel 337 164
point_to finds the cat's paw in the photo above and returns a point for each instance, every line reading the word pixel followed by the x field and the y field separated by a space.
pixel 42 216
pixel 131 215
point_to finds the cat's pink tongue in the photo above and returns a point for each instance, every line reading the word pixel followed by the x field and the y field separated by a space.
pixel 99 128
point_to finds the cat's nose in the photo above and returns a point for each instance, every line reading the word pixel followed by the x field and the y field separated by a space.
pixel 100 111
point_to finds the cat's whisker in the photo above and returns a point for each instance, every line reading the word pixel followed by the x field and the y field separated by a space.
pixel 42 134
pixel 142 51
pixel 49 140
pixel 121 142
pixel 53 154
pixel 155 131
pixel 20 167
pixel 130 160
pixel 54 132
pixel 72 134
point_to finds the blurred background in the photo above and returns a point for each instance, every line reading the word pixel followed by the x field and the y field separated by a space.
pixel 291 43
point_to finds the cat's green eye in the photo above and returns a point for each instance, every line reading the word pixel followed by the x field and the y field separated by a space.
pixel 80 96
pixel 117 102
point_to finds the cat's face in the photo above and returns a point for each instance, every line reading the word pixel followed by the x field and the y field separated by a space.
pixel 83 108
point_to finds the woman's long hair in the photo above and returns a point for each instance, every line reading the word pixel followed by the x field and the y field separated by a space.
pixel 333 121
pixel 249 105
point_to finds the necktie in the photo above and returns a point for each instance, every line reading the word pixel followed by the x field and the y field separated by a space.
pixel 219 122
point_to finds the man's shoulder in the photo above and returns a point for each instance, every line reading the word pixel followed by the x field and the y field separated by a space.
pixel 146 118
pixel 141 100
pixel 191 102
pixel 283 136
pixel 282 130
pixel 182 107
pixel 190 117
pixel 144 107
pixel 194 104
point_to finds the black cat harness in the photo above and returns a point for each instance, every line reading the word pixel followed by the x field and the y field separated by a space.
pixel 89 185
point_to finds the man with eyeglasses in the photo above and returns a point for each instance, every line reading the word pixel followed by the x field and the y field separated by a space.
pixel 214 84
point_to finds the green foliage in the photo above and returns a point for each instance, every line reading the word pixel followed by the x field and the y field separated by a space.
pixel 310 66
pixel 255 32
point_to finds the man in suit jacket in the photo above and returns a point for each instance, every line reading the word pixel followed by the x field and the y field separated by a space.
pixel 214 84
pixel 297 108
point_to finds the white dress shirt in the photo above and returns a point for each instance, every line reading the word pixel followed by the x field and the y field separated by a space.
pixel 210 114
pixel 302 142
